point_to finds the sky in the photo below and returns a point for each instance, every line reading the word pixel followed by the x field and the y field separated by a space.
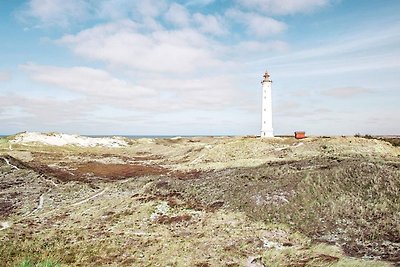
pixel 164 67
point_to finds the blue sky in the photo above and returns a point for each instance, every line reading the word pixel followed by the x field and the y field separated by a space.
pixel 162 67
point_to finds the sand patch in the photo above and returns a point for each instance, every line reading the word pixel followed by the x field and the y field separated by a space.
pixel 58 139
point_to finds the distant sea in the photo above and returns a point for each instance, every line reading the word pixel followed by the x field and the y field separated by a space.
pixel 159 136
pixel 143 136
pixel 147 136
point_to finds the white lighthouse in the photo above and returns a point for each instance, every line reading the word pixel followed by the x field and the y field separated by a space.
pixel 266 128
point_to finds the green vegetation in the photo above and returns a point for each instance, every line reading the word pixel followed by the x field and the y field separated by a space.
pixel 319 255
pixel 366 136
pixel 201 202
pixel 361 201
pixel 218 238
pixel 345 201
pixel 394 141
pixel 30 263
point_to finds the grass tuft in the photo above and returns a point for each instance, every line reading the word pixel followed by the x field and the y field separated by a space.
pixel 45 263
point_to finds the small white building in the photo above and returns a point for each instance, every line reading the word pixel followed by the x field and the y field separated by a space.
pixel 266 128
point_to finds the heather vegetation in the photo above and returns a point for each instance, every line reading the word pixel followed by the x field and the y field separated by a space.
pixel 201 202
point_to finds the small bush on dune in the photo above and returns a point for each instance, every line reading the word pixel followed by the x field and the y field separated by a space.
pixel 25 263
pixel 30 263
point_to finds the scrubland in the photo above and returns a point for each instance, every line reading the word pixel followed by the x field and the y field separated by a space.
pixel 201 201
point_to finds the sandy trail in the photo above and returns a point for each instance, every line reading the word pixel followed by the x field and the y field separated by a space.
pixel 288 147
pixel 41 201
pixel 89 198
pixel 4 225
pixel 196 160
pixel 40 205
pixel 9 164
pixel 49 180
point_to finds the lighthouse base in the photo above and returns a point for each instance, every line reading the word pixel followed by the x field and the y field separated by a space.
pixel 267 134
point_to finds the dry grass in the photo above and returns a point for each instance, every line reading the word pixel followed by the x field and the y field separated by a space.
pixel 129 237
pixel 203 202
pixel 352 203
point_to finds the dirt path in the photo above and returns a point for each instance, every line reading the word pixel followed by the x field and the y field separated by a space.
pixel 288 147
pixel 41 202
pixel 89 198
pixel 48 180
pixel 4 225
pixel 39 206
pixel 9 164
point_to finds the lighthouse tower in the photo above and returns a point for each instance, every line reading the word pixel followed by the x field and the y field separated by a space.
pixel 266 128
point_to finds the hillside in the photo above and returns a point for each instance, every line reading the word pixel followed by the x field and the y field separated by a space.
pixel 201 201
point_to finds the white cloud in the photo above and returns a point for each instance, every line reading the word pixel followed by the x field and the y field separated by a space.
pixel 123 44
pixel 211 92
pixel 287 105
pixel 343 45
pixel 261 47
pixel 210 24
pixel 178 15
pixel 120 9
pixel 55 12
pixel 300 93
pixel 264 26
pixel 199 2
pixel 5 76
pixel 283 7
pixel 116 9
pixel 43 109
pixel 87 81
pixel 83 117
pixel 257 24
pixel 47 13
pixel 150 8
pixel 346 92
pixel 354 52
pixel 154 94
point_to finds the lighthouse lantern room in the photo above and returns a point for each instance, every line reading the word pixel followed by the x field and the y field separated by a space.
pixel 266 128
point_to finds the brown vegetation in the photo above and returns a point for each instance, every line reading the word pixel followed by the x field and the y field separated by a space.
pixel 117 171
pixel 206 201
